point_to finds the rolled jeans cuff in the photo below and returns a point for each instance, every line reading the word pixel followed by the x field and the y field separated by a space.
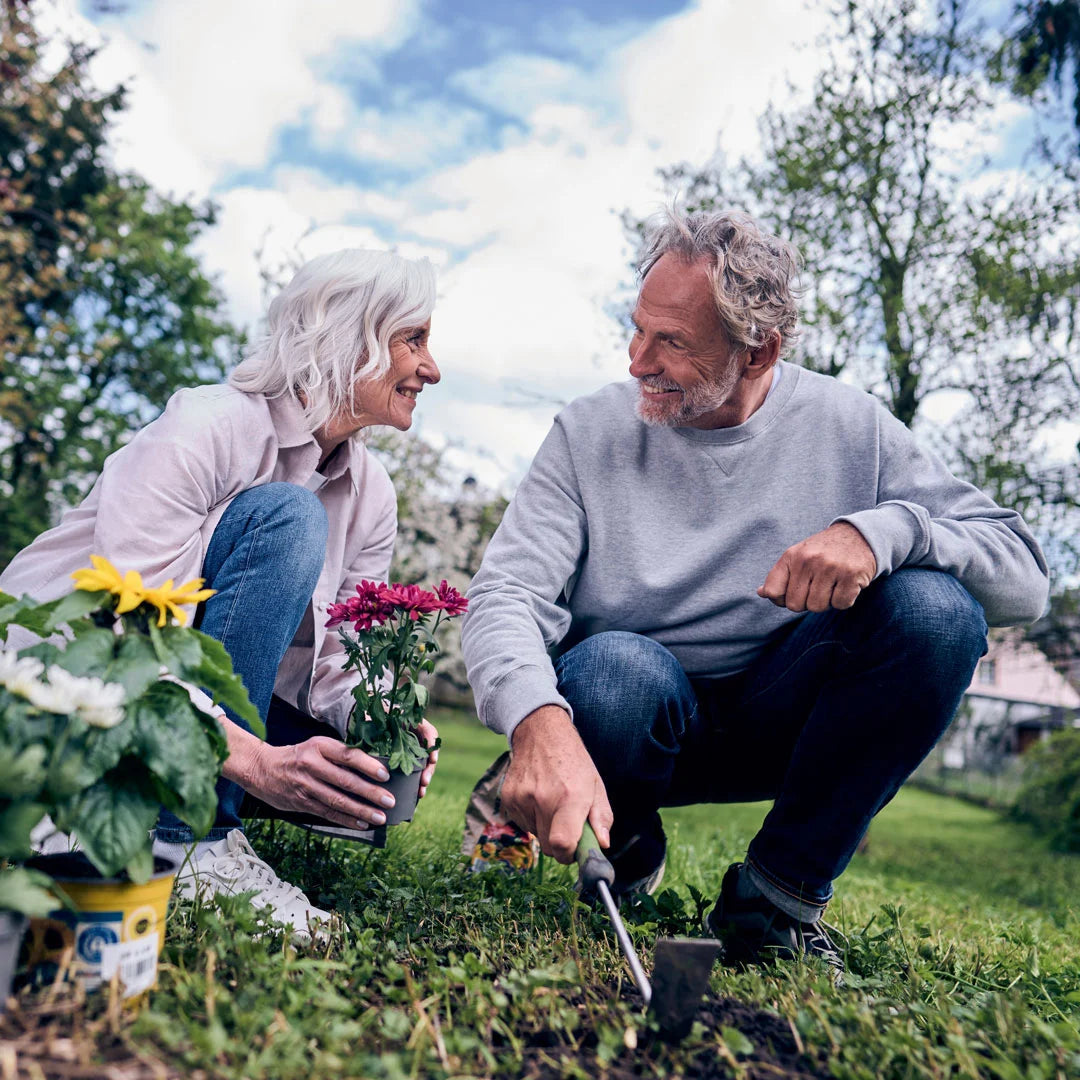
pixel 182 834
pixel 793 901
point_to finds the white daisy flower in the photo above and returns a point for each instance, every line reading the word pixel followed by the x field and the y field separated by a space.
pixel 20 674
pixel 99 703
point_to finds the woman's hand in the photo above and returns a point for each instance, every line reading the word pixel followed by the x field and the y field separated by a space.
pixel 427 735
pixel 324 777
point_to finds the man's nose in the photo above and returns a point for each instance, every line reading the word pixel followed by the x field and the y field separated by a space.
pixel 642 358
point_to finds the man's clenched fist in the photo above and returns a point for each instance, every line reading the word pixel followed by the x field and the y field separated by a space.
pixel 829 569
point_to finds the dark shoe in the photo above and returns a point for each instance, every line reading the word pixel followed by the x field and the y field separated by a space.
pixel 756 931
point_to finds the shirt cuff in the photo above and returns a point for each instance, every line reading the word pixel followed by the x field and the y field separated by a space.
pixel 519 693
pixel 893 532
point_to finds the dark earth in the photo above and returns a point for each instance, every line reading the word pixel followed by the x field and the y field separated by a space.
pixel 54 1036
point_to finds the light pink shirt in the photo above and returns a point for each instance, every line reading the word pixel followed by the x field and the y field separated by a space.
pixel 158 499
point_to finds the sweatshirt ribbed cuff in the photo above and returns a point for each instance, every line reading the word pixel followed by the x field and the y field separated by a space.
pixel 893 532
pixel 522 691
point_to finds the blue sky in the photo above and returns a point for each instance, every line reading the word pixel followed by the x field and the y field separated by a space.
pixel 501 140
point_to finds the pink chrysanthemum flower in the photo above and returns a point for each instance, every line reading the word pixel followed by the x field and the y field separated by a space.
pixel 412 600
pixel 450 600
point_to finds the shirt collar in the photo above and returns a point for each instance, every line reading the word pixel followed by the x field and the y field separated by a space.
pixel 287 416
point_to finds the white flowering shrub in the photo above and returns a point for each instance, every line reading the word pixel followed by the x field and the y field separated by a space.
pixel 443 530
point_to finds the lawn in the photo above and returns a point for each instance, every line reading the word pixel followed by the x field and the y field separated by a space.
pixel 962 947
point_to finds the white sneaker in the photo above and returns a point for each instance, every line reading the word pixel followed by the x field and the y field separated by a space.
pixel 47 839
pixel 230 866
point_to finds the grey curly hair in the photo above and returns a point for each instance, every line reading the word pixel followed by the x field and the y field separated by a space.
pixel 754 274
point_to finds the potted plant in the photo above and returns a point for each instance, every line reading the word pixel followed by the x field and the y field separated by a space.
pixel 100 732
pixel 23 892
pixel 392 642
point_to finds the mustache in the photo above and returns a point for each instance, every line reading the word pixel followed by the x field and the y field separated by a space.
pixel 657 383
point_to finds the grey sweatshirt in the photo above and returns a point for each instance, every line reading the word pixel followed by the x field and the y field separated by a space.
pixel 668 532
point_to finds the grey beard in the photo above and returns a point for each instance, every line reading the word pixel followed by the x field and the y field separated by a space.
pixel 701 399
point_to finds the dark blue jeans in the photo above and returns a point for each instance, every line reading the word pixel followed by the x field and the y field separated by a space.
pixel 264 560
pixel 829 720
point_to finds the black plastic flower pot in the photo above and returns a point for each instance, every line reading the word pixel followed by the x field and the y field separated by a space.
pixel 405 787
pixel 12 926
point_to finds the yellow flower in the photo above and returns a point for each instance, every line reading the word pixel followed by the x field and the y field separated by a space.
pixel 166 598
pixel 104 577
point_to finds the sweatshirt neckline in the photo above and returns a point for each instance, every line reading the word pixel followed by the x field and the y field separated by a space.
pixel 756 423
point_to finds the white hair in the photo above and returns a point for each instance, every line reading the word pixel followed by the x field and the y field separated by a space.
pixel 332 325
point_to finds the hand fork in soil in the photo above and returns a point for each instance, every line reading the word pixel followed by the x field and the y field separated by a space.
pixel 681 966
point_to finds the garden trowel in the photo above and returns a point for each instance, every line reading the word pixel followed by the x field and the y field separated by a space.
pixel 681 966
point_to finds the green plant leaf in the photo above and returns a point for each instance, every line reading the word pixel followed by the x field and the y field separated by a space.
pixel 136 666
pixel 73 606
pixel 140 866
pixel 15 824
pixel 44 651
pixel 736 1041
pixel 177 749
pixel 25 612
pixel 114 818
pixel 215 675
pixel 22 773
pixel 178 648
pixel 90 653
pixel 26 892
pixel 104 747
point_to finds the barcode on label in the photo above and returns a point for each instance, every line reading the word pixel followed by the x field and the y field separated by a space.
pixel 135 960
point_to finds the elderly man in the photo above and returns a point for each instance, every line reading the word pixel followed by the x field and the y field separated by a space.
pixel 755 585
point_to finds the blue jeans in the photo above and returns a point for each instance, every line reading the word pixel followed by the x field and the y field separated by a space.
pixel 829 720
pixel 264 560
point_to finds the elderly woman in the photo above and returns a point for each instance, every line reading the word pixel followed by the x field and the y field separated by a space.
pixel 264 488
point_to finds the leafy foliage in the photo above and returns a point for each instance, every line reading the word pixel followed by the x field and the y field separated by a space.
pixel 106 778
pixel 1050 794
pixel 923 278
pixel 1044 44
pixel 104 310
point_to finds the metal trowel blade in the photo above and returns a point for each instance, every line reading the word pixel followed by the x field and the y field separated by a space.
pixel 680 976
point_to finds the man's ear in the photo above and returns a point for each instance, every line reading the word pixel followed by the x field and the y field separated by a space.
pixel 762 359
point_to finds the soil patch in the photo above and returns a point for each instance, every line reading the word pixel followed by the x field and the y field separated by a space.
pixel 777 1054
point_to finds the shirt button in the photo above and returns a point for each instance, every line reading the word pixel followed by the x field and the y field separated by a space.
pixel 322 605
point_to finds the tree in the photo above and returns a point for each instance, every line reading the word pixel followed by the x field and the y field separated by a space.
pixel 104 310
pixel 925 273
pixel 1045 44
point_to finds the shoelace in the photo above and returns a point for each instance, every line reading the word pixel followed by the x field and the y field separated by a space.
pixel 244 870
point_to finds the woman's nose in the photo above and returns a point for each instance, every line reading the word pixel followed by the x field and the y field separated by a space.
pixel 429 370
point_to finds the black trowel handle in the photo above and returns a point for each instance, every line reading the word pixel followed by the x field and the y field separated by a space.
pixel 592 863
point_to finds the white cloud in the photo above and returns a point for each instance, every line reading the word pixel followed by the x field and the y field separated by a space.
pixel 418 133
pixel 536 216
pixel 517 83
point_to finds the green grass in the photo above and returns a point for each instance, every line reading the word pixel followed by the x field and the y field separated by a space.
pixel 963 952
